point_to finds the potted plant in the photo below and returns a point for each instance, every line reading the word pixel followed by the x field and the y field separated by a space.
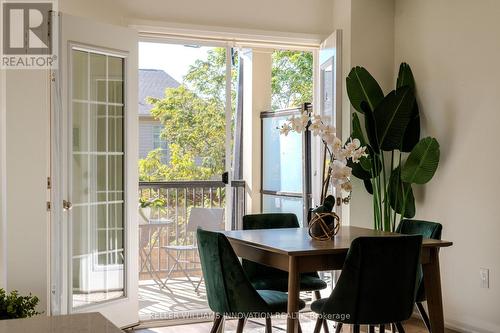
pixel 148 208
pixel 14 305
pixel 397 159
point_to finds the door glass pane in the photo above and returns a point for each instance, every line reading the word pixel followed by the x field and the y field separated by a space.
pixel 97 178
pixel 281 204
pixel 282 157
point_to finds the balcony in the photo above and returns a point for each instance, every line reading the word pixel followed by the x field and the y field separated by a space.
pixel 170 284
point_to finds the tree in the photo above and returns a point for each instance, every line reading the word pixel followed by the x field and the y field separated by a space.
pixel 194 118
pixel 292 83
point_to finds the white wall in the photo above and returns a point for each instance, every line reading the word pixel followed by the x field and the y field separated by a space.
pixel 368 41
pixel 3 202
pixel 453 49
pixel 27 168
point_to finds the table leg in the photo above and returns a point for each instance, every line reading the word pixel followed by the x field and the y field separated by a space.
pixel 432 282
pixel 292 324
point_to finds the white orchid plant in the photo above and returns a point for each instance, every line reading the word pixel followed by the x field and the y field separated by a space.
pixel 335 169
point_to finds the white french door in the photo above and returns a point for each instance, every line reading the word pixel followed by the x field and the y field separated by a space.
pixel 94 254
pixel 328 97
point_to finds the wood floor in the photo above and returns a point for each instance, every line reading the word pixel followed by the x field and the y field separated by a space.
pixel 256 326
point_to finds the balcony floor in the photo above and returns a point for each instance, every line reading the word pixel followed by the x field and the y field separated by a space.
pixel 178 302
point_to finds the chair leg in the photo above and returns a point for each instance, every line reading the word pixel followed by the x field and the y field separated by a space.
pixel 241 324
pixel 393 328
pixel 424 315
pixel 338 328
pixel 269 326
pixel 317 295
pixel 356 329
pixel 382 329
pixel 217 322
pixel 371 329
pixel 319 322
pixel 300 327
pixel 400 328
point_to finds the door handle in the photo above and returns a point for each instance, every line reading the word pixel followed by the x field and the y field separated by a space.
pixel 67 205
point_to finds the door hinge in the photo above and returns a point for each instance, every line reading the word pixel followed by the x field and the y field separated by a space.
pixel 49 183
pixel 48 206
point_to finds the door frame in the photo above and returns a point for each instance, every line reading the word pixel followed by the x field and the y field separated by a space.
pixel 115 38
pixel 67 166
pixel 333 42
pixel 228 105
pixel 3 179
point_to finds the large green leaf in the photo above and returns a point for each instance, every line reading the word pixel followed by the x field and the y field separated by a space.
pixel 422 162
pixel 358 171
pixel 397 190
pixel 392 117
pixel 412 132
pixel 362 87
pixel 370 126
pixel 357 132
pixel 368 186
pixel 405 77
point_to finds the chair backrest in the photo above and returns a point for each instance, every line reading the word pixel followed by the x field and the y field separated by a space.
pixel 266 221
pixel 428 230
pixel 228 288
pixel 378 281
pixel 206 218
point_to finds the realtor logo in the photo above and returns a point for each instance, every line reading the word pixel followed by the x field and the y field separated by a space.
pixel 27 35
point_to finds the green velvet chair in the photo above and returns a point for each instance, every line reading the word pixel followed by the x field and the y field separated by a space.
pixel 264 277
pixel 428 230
pixel 229 291
pixel 377 284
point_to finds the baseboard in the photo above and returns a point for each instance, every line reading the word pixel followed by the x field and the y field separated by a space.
pixel 471 325
pixel 466 325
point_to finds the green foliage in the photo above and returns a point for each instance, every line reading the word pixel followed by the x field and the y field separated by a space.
pixel 291 80
pixel 392 116
pixel 362 87
pixel 154 202
pixel 194 127
pixel 399 193
pixel 151 168
pixel 392 125
pixel 15 306
pixel 422 163
pixel 193 115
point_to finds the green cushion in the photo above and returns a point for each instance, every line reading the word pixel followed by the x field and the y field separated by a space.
pixel 229 291
pixel 307 283
pixel 429 230
pixel 277 301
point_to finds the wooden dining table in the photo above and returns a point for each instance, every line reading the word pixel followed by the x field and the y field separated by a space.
pixel 294 251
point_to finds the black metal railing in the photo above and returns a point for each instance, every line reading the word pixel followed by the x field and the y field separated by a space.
pixel 163 218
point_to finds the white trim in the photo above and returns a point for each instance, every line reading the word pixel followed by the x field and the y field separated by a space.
pixel 3 180
pixel 154 30
pixel 228 141
pixel 471 325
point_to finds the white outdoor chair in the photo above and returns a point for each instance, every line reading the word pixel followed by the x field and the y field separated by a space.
pixel 211 219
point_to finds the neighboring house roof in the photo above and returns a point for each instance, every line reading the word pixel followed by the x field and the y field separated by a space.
pixel 152 83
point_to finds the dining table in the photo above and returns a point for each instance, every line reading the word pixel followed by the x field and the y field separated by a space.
pixel 294 251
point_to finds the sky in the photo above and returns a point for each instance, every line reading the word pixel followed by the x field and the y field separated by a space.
pixel 172 58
